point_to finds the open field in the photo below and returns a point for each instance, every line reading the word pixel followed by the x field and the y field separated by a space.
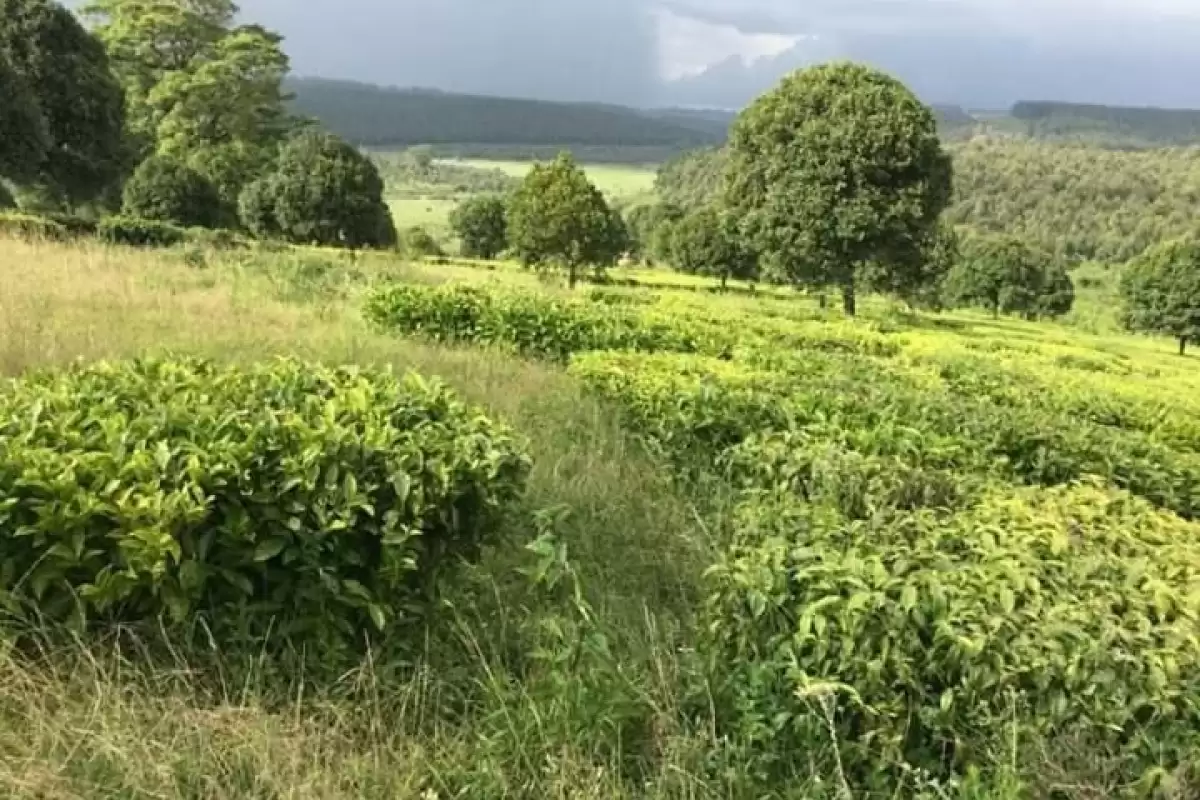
pixel 1013 430
pixel 615 180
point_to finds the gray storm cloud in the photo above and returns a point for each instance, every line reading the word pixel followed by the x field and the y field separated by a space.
pixel 980 53
pixel 596 50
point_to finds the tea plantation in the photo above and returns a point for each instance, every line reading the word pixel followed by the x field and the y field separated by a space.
pixel 617 542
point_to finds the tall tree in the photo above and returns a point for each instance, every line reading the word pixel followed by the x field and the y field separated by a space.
pixel 226 116
pixel 67 78
pixel 1161 290
pixel 148 40
pixel 558 217
pixel 838 166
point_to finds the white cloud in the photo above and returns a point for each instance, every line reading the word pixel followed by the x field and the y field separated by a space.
pixel 687 46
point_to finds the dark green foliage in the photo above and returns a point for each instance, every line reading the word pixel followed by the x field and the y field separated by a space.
pixel 532 324
pixel 136 232
pixel 66 72
pixel 166 190
pixel 324 192
pixel 7 201
pixel 372 115
pixel 706 242
pixel 284 503
pixel 918 277
pixel 24 139
pixel 557 217
pixel 1007 275
pixel 1161 290
pixel 838 166
pixel 482 226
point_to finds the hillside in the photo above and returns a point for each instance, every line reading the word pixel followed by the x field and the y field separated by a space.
pixel 378 116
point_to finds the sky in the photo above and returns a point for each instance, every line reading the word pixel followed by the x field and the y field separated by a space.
pixel 978 53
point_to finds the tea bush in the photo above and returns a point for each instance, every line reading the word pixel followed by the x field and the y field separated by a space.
pixel 944 637
pixel 139 232
pixel 532 324
pixel 284 502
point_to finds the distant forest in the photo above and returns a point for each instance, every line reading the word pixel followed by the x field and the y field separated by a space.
pixel 376 116
pixel 1108 125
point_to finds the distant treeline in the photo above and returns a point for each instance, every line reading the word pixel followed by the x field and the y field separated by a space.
pixel 1113 125
pixel 1080 201
pixel 376 116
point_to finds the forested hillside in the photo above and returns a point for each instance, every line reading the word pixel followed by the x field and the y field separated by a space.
pixel 1109 125
pixel 1084 202
pixel 373 115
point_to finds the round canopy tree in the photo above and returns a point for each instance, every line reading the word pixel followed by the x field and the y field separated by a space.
pixel 78 100
pixel 1161 290
pixel 481 225
pixel 1005 274
pixel 324 191
pixel 837 167
pixel 558 217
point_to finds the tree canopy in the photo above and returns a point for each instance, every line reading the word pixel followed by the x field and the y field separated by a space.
pixel 557 216
pixel 706 242
pixel 1006 274
pixel 66 119
pixel 1161 290
pixel 481 224
pixel 837 166
pixel 199 88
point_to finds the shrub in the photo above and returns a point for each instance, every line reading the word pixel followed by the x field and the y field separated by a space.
pixel 165 190
pixel 32 227
pixel 216 238
pixel 944 637
pixel 139 232
pixel 281 502
pixel 419 243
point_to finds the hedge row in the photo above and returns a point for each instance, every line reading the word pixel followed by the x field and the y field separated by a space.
pixel 533 324
pixel 881 564
pixel 279 502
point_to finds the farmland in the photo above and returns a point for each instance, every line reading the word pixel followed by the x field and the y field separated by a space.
pixel 1021 495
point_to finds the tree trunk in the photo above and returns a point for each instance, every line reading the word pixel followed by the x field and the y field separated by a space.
pixel 1183 340
pixel 724 280
pixel 823 301
pixel 572 276
pixel 849 300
